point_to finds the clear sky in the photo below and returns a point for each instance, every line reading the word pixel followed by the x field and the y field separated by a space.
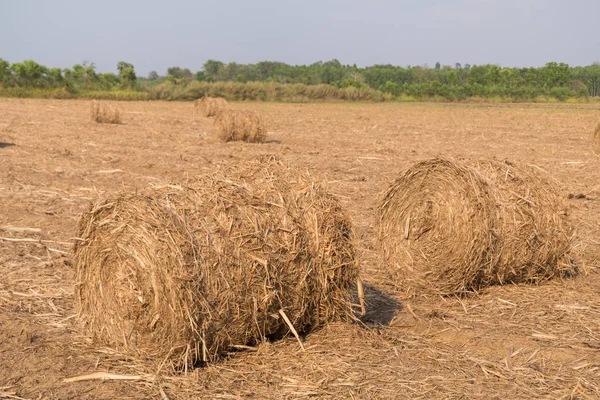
pixel 154 35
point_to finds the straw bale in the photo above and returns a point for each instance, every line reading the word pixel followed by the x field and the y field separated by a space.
pixel 184 273
pixel 331 235
pixel 105 113
pixel 537 236
pixel 596 140
pixel 210 106
pixel 235 125
pixel 451 227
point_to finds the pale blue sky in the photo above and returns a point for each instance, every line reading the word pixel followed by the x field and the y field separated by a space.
pixel 153 35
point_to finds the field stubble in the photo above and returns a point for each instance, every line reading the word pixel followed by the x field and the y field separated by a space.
pixel 514 341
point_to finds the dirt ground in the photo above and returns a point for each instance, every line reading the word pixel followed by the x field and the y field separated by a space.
pixel 512 342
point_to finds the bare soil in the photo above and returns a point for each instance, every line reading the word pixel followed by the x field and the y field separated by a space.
pixel 517 341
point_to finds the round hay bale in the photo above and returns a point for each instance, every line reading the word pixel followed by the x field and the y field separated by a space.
pixel 210 106
pixel 449 227
pixel 596 140
pixel 537 236
pixel 437 226
pixel 185 273
pixel 105 113
pixel 331 235
pixel 235 125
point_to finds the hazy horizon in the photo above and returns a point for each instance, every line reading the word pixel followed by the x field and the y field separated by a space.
pixel 154 36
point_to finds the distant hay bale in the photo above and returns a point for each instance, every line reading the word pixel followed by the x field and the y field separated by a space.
pixel 245 126
pixel 210 106
pixel 451 227
pixel 186 273
pixel 105 113
pixel 596 140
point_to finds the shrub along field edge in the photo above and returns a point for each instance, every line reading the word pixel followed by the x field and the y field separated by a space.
pixel 277 92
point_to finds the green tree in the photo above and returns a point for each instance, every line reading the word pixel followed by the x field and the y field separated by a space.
pixel 108 80
pixel 127 74
pixel 391 87
pixel 452 77
pixel 4 71
pixel 477 74
pixel 128 77
pixel 122 66
pixel 590 76
pixel 555 75
pixel 492 75
pixel 89 71
pixel 29 73
pixel 55 76
pixel 78 73
pixel 179 73
pixel 200 76
pixel 212 68
pixel 531 77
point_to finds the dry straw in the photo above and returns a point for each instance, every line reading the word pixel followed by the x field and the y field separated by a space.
pixel 182 274
pixel 210 106
pixel 331 236
pixel 596 140
pixel 105 113
pixel 450 227
pixel 246 126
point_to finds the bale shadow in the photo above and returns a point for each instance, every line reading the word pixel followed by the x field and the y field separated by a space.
pixel 3 145
pixel 273 141
pixel 381 307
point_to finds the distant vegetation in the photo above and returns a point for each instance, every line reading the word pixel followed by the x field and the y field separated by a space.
pixel 331 80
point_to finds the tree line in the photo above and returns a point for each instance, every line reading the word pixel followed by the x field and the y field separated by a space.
pixel 30 74
pixel 450 82
pixel 378 82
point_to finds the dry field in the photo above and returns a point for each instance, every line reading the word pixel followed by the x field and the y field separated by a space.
pixel 505 343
